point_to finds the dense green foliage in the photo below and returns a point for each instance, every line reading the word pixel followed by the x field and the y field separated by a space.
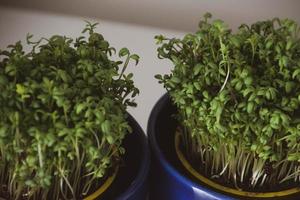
pixel 62 115
pixel 238 96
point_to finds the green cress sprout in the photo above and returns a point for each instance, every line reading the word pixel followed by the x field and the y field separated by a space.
pixel 238 97
pixel 62 115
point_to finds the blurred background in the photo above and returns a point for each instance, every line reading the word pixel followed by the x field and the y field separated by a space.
pixel 133 24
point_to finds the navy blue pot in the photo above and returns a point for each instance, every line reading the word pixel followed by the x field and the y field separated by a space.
pixel 131 182
pixel 167 179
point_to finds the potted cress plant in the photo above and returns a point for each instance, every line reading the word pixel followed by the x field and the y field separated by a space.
pixel 229 126
pixel 64 129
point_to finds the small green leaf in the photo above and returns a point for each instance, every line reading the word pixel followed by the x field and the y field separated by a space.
pixel 239 86
pixel 289 86
pixel 296 73
pixel 158 76
pixel 253 147
pixel 136 58
pixel 123 52
pixel 105 127
pixel 80 107
pixel 248 81
pixel 175 79
pixel 289 44
pixel 3 131
pixel 20 89
pixel 188 110
pixel 197 69
pixel 250 107
pixel 110 139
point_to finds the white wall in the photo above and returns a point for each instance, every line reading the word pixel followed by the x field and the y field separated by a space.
pixel 15 24
pixel 175 14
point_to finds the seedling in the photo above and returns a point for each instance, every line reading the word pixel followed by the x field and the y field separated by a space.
pixel 237 95
pixel 62 115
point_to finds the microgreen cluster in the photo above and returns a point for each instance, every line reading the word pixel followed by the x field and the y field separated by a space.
pixel 238 97
pixel 62 115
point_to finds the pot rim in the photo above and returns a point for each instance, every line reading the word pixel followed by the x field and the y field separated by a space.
pixel 217 186
pixel 143 170
pixel 107 183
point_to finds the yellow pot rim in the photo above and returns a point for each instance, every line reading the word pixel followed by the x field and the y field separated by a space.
pixel 222 188
pixel 103 187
